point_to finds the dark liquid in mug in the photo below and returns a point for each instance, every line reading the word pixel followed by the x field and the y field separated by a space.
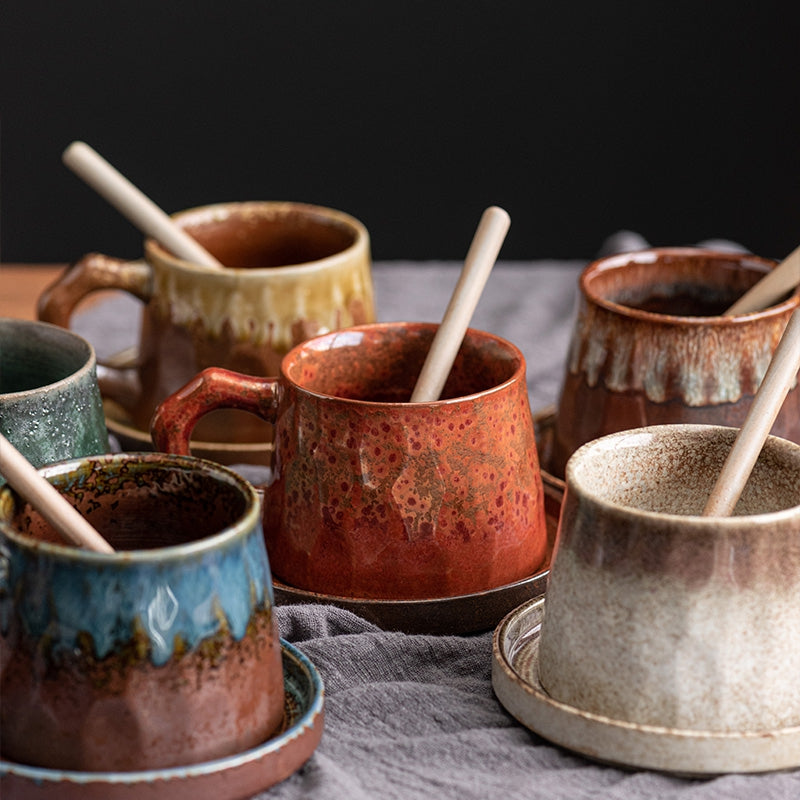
pixel 681 301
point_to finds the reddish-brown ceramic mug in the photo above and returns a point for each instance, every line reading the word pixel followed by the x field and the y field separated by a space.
pixel 377 497
pixel 651 346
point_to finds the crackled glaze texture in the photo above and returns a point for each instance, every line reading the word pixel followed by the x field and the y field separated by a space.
pixel 373 496
pixel 659 616
pixel 292 271
pixel 649 346
pixel 50 406
pixel 162 654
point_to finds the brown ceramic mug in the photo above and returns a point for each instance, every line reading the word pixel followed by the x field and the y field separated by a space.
pixel 650 346
pixel 292 271
pixel 373 496
pixel 165 653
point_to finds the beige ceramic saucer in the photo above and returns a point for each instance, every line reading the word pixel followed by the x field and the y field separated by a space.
pixel 241 775
pixel 690 753
pixel 459 615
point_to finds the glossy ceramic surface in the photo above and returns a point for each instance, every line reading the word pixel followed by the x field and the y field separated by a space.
pixel 237 776
pixel 292 271
pixel 452 616
pixel 703 753
pixel 376 497
pixel 649 346
pixel 163 653
pixel 657 615
pixel 50 406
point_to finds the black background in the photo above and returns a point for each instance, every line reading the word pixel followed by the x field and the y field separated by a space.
pixel 679 120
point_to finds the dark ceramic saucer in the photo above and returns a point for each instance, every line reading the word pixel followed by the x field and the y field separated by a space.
pixel 240 775
pixel 463 614
pixel 544 423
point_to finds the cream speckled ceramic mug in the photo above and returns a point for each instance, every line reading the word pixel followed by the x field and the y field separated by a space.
pixel 292 271
pixel 657 615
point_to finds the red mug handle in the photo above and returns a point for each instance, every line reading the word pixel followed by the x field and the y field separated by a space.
pixel 213 388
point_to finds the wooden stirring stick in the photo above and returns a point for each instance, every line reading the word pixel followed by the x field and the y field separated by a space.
pixel 776 283
pixel 47 500
pixel 89 165
pixel 483 251
pixel 751 437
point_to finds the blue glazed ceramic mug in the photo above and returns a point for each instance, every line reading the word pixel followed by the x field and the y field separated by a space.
pixel 164 653
pixel 50 404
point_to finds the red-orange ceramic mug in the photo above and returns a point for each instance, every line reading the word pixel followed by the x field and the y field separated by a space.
pixel 374 496
pixel 651 346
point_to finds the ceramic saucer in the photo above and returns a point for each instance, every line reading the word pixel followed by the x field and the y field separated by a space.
pixel 690 753
pixel 459 615
pixel 240 775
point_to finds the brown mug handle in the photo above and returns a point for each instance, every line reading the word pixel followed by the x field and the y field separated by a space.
pixel 213 388
pixel 93 272
pixel 90 273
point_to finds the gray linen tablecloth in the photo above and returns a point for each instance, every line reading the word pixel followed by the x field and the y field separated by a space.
pixel 414 716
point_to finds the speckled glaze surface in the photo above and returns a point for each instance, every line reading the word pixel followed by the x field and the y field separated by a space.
pixel 50 405
pixel 631 364
pixel 165 653
pixel 659 616
pixel 292 271
pixel 232 778
pixel 373 496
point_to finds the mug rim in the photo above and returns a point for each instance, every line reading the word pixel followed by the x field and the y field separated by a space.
pixel 313 343
pixel 241 527
pixel 653 254
pixel 67 336
pixel 360 243
pixel 693 521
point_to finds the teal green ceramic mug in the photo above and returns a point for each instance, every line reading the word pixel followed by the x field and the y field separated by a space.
pixel 50 404
pixel 162 654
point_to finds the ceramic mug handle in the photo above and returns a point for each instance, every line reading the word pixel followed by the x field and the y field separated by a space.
pixel 116 376
pixel 90 273
pixel 213 388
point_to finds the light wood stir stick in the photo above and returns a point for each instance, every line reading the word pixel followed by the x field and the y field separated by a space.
pixel 139 209
pixel 47 500
pixel 483 252
pixel 776 283
pixel 769 398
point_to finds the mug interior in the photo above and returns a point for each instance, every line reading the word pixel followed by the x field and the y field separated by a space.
pixel 382 363
pixel 253 235
pixel 672 469
pixel 33 356
pixel 682 283
pixel 137 505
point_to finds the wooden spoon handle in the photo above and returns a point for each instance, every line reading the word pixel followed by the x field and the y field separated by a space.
pixel 47 500
pixel 483 252
pixel 89 165
pixel 784 278
pixel 769 398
